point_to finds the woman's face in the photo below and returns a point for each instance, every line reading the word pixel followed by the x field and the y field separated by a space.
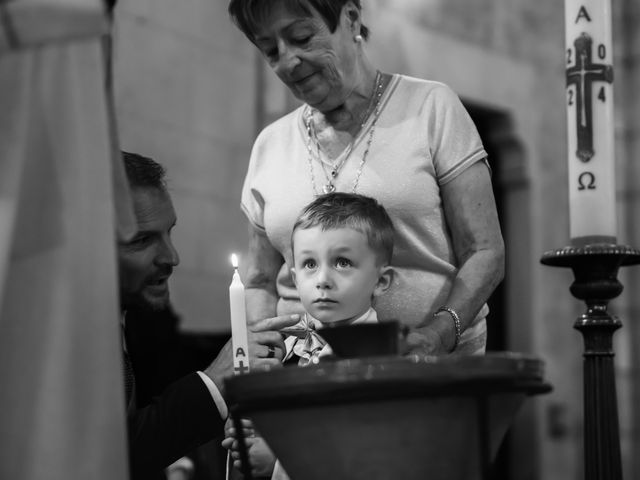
pixel 318 66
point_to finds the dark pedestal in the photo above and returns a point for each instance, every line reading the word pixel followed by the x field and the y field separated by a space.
pixel 596 268
pixel 441 418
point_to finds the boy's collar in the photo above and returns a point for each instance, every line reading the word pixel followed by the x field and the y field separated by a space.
pixel 370 316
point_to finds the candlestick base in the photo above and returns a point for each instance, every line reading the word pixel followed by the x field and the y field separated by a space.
pixel 595 268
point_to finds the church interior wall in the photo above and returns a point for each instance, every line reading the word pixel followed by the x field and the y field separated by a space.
pixel 185 95
pixel 192 94
pixel 627 42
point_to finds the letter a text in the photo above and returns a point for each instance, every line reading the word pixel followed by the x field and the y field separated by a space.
pixel 583 14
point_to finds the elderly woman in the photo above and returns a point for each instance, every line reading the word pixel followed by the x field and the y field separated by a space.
pixel 409 143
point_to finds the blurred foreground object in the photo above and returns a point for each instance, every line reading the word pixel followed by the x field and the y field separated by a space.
pixel 441 418
pixel 62 402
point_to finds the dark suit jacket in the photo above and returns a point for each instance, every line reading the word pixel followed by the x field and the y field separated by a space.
pixel 183 417
pixel 174 411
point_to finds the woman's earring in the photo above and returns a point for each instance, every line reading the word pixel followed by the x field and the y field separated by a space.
pixel 358 38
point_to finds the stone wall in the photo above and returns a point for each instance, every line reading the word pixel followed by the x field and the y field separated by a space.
pixel 185 95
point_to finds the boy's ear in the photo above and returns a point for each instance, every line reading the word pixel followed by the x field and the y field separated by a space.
pixel 293 276
pixel 385 279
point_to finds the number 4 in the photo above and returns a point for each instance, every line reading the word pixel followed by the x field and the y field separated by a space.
pixel 601 95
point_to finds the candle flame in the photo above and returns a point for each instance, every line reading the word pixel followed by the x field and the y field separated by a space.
pixel 234 260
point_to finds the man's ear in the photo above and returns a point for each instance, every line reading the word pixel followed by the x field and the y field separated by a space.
pixel 385 279
pixel 293 276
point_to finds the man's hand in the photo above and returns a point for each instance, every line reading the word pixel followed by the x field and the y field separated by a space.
pixel 263 337
pixel 266 346
pixel 261 458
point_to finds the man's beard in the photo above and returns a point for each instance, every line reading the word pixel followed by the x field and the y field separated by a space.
pixel 144 300
pixel 138 302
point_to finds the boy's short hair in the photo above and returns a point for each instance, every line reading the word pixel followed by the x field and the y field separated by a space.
pixel 351 210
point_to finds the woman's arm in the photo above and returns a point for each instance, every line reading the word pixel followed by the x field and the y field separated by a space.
pixel 470 211
pixel 471 216
pixel 260 272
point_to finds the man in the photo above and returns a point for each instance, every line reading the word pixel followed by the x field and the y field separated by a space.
pixel 191 410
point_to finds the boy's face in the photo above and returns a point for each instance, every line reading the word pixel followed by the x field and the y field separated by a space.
pixel 337 273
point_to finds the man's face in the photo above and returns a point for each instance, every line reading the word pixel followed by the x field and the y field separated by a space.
pixel 146 262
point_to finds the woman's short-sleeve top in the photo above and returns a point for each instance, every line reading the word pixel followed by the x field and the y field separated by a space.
pixel 423 138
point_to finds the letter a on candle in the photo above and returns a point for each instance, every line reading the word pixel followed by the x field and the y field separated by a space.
pixel 238 321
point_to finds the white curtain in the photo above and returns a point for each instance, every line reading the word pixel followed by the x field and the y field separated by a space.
pixel 61 395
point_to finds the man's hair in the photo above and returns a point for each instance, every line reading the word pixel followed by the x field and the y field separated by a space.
pixel 248 15
pixel 143 171
pixel 350 210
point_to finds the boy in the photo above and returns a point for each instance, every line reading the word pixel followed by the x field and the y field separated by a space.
pixel 342 245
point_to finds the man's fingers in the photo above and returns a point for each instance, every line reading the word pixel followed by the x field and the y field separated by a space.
pixel 265 339
pixel 246 423
pixel 265 364
pixel 275 323
pixel 247 432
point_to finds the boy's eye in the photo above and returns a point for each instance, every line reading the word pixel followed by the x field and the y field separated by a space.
pixel 343 262
pixel 309 264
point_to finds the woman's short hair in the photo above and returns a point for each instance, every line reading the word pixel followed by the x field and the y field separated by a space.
pixel 248 15
pixel 351 210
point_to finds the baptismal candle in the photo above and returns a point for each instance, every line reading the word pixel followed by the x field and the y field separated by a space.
pixel 589 60
pixel 238 321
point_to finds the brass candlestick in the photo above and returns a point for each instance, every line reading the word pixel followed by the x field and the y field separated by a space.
pixel 595 268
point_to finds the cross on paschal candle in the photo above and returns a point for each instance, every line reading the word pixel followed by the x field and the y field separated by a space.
pixel 583 75
pixel 590 124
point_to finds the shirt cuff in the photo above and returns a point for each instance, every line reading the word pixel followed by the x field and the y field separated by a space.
pixel 215 394
pixel 183 463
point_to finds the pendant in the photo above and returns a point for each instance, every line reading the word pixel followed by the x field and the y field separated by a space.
pixel 328 188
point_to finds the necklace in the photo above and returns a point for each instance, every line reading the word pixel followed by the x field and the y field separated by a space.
pixel 334 167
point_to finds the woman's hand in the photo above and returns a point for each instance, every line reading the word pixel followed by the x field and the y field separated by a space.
pixel 437 338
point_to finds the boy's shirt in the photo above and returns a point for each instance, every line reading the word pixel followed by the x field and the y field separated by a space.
pixel 303 341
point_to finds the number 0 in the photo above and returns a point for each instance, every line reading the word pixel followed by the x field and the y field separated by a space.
pixel 602 51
